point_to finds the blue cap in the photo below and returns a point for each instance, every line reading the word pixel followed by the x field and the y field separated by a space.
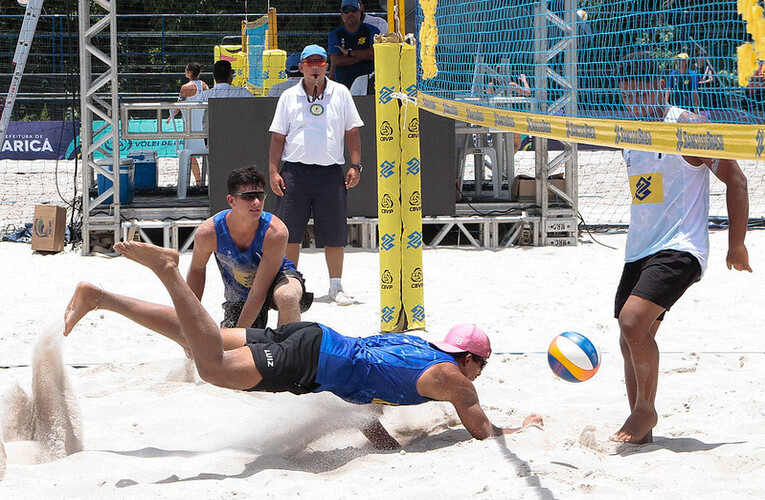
pixel 313 50
pixel 351 3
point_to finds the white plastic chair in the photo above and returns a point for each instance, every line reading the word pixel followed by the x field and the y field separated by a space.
pixel 192 147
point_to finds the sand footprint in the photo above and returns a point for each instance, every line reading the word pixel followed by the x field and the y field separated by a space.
pixel 589 439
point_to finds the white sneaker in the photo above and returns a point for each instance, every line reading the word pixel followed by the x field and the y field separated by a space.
pixel 340 298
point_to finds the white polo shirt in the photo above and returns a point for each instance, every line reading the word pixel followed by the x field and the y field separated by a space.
pixel 315 132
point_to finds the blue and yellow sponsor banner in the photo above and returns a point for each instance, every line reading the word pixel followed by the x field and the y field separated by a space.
pixel 387 83
pixel 412 290
pixel 709 140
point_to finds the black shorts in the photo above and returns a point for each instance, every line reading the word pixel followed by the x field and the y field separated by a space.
pixel 232 310
pixel 661 278
pixel 287 357
pixel 314 190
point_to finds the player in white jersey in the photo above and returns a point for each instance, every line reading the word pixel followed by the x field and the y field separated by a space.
pixel 668 242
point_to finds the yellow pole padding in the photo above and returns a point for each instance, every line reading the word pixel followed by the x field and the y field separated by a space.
pixel 272 42
pixel 428 39
pixel 391 16
pixel 412 290
pixel 387 83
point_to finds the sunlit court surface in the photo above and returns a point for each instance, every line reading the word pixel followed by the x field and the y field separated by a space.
pixel 151 428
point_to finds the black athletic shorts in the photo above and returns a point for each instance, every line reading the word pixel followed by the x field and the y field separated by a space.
pixel 661 278
pixel 287 357
pixel 314 190
pixel 232 310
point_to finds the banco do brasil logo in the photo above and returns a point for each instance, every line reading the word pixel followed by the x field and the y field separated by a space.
pixel 388 313
pixel 387 241
pixel 387 169
pixel 385 94
pixel 418 313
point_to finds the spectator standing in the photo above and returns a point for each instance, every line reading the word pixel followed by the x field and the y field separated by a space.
pixel 190 91
pixel 683 85
pixel 350 45
pixel 249 246
pixel 312 123
pixel 706 81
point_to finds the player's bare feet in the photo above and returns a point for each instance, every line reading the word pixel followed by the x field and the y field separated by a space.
pixel 158 259
pixel 86 298
pixel 637 429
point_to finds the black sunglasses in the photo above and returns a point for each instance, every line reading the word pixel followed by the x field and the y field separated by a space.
pixel 348 10
pixel 251 195
pixel 481 360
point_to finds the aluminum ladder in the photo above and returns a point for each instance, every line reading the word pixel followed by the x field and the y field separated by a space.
pixel 26 35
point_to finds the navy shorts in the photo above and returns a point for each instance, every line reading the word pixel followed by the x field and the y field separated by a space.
pixel 661 278
pixel 287 357
pixel 318 191
pixel 232 310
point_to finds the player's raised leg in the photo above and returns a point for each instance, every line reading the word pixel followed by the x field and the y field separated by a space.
pixel 234 369
pixel 88 297
pixel 157 317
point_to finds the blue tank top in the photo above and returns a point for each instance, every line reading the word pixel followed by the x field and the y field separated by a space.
pixel 378 369
pixel 238 268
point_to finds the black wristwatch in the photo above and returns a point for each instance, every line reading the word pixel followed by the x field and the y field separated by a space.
pixel 357 167
pixel 350 52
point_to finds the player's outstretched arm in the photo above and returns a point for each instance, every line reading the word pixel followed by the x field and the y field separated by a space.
pixel 445 382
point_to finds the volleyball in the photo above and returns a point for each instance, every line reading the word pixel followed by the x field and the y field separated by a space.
pixel 573 357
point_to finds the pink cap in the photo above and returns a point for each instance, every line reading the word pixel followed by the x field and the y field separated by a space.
pixel 466 337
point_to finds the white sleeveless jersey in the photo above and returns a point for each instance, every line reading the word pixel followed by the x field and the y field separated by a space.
pixel 670 203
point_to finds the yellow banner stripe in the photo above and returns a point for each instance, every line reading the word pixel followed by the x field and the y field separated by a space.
pixel 710 140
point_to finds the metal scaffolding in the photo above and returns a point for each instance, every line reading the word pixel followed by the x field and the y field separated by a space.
pixel 558 226
pixel 99 98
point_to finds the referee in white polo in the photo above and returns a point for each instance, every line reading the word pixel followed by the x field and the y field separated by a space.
pixel 312 123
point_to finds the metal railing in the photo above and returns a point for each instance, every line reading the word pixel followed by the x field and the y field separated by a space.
pixel 159 109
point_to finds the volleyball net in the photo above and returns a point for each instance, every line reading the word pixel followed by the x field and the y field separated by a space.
pixel 548 68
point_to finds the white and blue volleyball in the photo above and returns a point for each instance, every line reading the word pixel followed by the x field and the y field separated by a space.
pixel 573 357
